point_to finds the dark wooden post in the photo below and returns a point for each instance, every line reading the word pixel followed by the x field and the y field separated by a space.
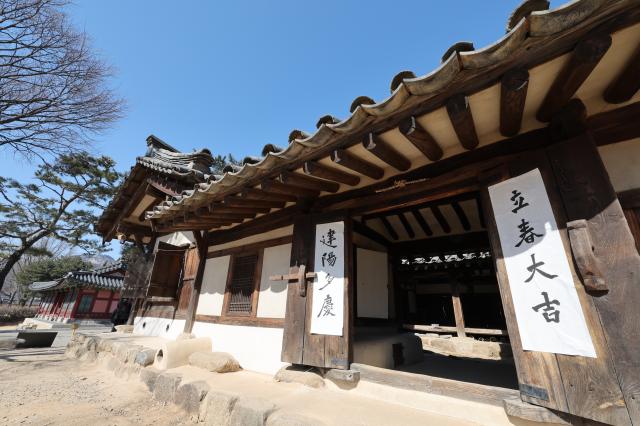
pixel 202 243
pixel 457 308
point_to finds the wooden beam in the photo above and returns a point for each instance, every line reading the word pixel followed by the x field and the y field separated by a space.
pixel 224 216
pixel 442 221
pixel 627 83
pixel 420 138
pixel 423 223
pixel 233 201
pixel 461 118
pixel 202 243
pixel 582 61
pixel 392 232
pixel 447 329
pixel 259 194
pixel 281 188
pixel 457 309
pixel 219 208
pixel 372 234
pixel 407 225
pixel 313 168
pixel 513 94
pixel 357 164
pixel 462 216
pixel 302 181
pixel 384 151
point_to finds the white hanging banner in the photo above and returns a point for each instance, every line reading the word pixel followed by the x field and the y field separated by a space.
pixel 547 307
pixel 328 287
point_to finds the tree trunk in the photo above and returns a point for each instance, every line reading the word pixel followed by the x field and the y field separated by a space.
pixel 9 264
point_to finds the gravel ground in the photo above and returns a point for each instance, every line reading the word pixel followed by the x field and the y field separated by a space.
pixel 43 387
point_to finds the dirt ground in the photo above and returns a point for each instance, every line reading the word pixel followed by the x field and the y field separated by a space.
pixel 43 387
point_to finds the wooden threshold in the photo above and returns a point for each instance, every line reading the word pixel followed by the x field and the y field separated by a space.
pixel 492 395
pixel 447 329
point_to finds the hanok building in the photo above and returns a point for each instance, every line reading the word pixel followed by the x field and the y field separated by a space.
pixel 81 296
pixel 495 198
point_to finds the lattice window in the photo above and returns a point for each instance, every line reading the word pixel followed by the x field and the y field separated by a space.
pixel 242 285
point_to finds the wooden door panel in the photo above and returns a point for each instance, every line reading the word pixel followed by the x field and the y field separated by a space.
pixel 581 386
pixel 299 346
pixel 586 193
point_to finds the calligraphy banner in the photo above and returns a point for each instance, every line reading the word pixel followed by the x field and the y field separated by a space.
pixel 328 287
pixel 548 311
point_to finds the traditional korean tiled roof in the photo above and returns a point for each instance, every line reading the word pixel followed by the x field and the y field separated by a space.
pixel 163 159
pixel 104 277
pixel 530 27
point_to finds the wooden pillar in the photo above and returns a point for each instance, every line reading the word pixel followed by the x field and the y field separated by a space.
pixel 457 308
pixel 202 243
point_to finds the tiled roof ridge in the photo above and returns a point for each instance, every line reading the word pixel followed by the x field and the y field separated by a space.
pixel 534 22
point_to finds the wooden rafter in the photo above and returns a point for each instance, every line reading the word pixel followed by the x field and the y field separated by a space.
pixel 385 152
pixel 462 216
pixel 627 83
pixel 392 232
pixel 313 168
pixel 406 225
pixel 303 181
pixel 259 194
pixel 281 188
pixel 357 164
pixel 423 223
pixel 582 61
pixel 513 94
pixel 442 221
pixel 420 138
pixel 363 229
pixel 461 118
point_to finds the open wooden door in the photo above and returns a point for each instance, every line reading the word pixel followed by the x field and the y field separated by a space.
pixel 189 271
pixel 603 388
pixel 299 345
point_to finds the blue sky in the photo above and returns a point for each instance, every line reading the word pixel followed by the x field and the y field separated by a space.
pixel 232 76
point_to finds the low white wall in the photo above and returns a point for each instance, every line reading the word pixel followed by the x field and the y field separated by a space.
pixel 621 161
pixel 255 348
pixel 272 300
pixel 372 284
pixel 214 282
pixel 159 327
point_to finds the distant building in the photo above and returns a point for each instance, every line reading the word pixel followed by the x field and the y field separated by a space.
pixel 81 295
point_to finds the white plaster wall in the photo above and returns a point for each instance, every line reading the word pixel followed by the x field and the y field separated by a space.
pixel 151 326
pixel 372 284
pixel 621 161
pixel 276 233
pixel 255 348
pixel 272 300
pixel 177 239
pixel 214 282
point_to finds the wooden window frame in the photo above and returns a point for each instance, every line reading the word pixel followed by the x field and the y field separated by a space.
pixel 256 284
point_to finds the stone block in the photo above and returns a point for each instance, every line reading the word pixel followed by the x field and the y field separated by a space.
pixel 219 362
pixel 284 418
pixel 148 376
pixel 249 411
pixel 216 408
pixel 307 376
pixel 166 386
pixel 132 352
pixel 114 364
pixel 90 344
pixel 123 328
pixel 343 377
pixel 190 395
pixel 145 357
pixel 105 345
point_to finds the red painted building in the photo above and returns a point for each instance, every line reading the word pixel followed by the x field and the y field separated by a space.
pixel 81 295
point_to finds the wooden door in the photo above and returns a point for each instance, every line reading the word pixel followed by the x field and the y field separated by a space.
pixel 580 386
pixel 190 269
pixel 299 346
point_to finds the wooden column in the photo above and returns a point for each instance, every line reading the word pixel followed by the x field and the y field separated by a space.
pixel 457 308
pixel 202 243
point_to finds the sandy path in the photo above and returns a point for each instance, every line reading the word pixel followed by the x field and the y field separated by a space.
pixel 43 387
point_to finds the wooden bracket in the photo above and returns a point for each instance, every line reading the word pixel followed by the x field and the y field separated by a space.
pixel 299 274
pixel 582 248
